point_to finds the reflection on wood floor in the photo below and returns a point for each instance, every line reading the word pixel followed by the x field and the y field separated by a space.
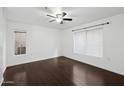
pixel 59 71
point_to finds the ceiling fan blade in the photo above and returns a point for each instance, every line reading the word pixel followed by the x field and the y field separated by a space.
pixel 51 16
pixel 63 14
pixel 61 22
pixel 52 20
pixel 67 19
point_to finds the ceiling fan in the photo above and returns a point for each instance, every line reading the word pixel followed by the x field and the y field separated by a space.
pixel 60 18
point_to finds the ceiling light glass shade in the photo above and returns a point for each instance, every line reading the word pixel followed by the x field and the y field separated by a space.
pixel 58 20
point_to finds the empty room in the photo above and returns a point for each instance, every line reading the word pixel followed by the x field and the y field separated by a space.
pixel 61 46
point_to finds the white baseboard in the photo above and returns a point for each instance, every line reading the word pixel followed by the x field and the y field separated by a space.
pixel 108 69
pixel 1 81
pixel 31 60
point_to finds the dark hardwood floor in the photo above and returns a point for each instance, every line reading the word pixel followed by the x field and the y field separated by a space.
pixel 60 71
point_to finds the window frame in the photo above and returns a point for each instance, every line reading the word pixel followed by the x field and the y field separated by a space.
pixel 25 48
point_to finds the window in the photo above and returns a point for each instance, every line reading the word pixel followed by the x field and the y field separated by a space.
pixel 88 42
pixel 20 43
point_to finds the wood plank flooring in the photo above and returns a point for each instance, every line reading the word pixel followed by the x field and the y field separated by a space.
pixel 59 71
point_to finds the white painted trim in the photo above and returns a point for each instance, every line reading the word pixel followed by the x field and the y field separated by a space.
pixel 95 65
pixel 32 60
pixel 2 77
pixel 1 81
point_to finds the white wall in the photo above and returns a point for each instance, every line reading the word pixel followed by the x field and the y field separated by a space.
pixel 42 43
pixel 2 44
pixel 113 45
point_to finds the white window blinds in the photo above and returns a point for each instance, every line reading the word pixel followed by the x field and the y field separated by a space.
pixel 88 42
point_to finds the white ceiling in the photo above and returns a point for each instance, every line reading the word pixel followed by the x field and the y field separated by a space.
pixel 80 15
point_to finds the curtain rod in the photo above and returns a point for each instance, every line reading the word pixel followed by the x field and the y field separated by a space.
pixel 20 31
pixel 92 26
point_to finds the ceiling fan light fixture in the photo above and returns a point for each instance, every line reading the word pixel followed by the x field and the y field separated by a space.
pixel 58 20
